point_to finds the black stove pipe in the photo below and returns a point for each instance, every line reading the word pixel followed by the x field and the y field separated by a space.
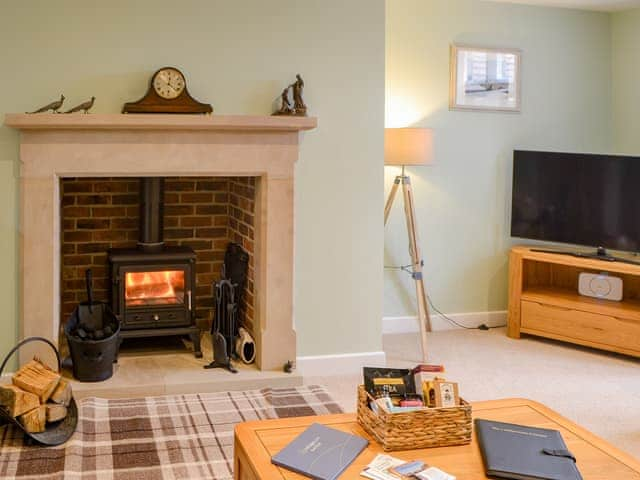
pixel 151 214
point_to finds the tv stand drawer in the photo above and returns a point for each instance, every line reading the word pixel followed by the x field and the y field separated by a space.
pixel 586 328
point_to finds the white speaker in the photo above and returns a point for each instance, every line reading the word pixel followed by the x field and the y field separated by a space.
pixel 600 286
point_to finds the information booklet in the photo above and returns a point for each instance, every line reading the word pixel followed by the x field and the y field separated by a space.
pixel 320 452
pixel 524 453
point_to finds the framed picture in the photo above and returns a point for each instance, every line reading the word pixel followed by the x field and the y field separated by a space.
pixel 484 79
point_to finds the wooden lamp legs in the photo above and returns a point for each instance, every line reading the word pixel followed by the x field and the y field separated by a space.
pixel 414 250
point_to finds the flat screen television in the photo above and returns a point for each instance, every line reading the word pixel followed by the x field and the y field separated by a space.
pixel 580 199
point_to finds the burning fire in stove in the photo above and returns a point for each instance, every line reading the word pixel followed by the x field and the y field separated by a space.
pixel 153 288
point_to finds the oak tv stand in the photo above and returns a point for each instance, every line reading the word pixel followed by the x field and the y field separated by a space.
pixel 544 301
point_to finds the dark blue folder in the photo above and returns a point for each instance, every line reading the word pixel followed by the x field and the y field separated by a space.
pixel 320 452
pixel 524 453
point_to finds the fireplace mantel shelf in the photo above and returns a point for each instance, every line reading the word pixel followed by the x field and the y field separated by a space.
pixel 52 121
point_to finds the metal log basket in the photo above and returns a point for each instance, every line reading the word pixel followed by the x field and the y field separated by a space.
pixel 56 433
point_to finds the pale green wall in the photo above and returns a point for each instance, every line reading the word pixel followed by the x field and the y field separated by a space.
pixel 463 201
pixel 626 81
pixel 237 55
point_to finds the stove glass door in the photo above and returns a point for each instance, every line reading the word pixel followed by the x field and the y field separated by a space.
pixel 154 288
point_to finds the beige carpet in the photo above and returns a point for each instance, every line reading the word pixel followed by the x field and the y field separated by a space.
pixel 601 391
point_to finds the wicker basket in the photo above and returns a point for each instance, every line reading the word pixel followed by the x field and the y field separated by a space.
pixel 429 427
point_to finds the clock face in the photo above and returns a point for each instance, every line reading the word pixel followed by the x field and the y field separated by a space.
pixel 168 83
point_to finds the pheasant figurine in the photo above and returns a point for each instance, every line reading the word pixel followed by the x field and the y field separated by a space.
pixel 85 106
pixel 53 106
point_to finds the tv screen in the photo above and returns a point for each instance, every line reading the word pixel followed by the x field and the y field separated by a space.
pixel 582 199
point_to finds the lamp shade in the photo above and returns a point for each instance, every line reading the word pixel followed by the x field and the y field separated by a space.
pixel 408 146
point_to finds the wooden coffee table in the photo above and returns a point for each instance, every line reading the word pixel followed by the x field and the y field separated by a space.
pixel 256 442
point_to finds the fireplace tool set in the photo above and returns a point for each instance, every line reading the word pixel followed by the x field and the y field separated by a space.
pixel 227 294
pixel 224 325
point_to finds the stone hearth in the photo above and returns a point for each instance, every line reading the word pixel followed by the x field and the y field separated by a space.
pixel 141 373
pixel 77 146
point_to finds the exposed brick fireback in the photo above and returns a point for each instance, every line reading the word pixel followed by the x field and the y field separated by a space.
pixel 204 213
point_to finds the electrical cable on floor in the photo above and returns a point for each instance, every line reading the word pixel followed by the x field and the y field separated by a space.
pixel 451 320
pixel 408 269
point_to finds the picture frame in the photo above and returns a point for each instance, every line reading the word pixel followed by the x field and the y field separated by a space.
pixel 485 79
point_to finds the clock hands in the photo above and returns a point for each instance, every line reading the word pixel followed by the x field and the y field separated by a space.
pixel 172 82
pixel 169 84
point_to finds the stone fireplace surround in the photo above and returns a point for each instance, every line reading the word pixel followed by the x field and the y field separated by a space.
pixel 56 146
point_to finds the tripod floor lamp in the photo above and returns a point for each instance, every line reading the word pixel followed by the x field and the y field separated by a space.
pixel 410 147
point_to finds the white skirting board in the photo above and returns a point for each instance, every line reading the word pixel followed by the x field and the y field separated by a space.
pixel 391 325
pixel 339 364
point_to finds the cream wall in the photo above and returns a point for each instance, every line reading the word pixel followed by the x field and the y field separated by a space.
pixel 463 200
pixel 237 55
pixel 626 77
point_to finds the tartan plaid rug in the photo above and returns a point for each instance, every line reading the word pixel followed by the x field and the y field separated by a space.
pixel 168 437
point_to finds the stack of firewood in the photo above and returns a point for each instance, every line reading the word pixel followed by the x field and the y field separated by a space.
pixel 37 396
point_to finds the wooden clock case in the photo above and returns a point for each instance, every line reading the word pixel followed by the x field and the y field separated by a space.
pixel 154 103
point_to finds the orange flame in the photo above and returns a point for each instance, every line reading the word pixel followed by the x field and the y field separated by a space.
pixel 164 286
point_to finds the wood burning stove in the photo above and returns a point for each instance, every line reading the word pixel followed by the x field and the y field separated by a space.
pixel 153 286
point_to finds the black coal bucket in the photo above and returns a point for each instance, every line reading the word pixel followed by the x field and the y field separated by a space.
pixel 93 359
